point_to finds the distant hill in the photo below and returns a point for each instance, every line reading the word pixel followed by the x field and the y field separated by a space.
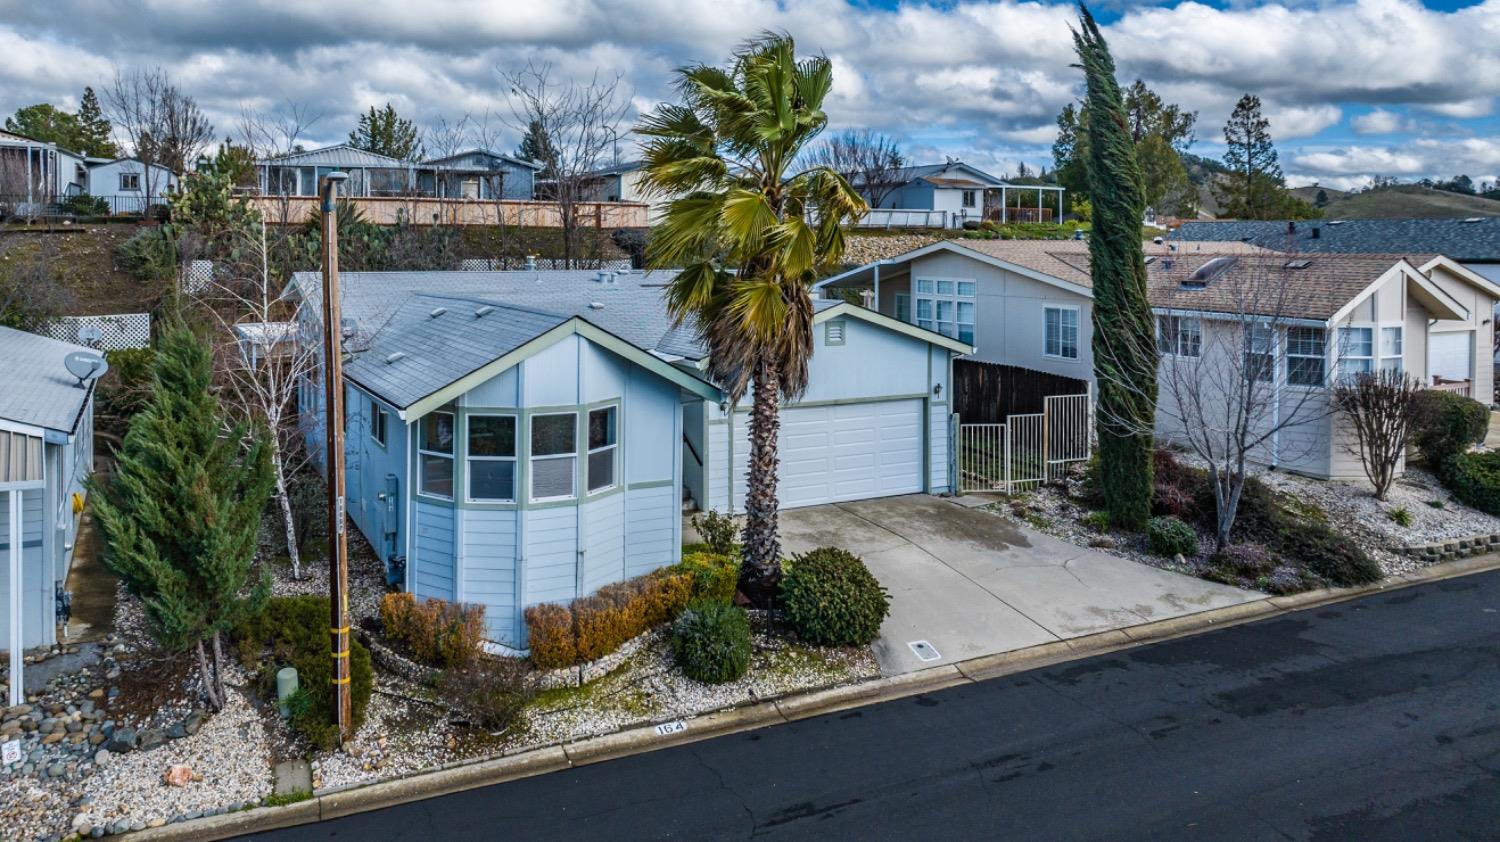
pixel 1402 201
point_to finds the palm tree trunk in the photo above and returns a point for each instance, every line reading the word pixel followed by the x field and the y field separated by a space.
pixel 761 572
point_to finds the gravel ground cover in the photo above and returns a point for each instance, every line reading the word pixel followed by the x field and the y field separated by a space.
pixel 1429 513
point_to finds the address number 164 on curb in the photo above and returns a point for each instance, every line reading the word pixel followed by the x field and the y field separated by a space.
pixel 668 728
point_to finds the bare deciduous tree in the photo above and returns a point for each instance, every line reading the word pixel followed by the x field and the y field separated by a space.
pixel 262 363
pixel 269 134
pixel 581 122
pixel 868 159
pixel 1381 408
pixel 1241 377
pixel 162 125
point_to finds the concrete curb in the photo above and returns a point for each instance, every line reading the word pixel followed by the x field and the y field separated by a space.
pixel 605 747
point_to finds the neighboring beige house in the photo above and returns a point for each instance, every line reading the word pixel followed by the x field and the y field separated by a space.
pixel 1029 304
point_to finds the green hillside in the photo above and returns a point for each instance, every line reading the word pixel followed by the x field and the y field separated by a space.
pixel 1405 200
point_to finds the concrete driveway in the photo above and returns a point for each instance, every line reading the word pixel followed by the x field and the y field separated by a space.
pixel 971 583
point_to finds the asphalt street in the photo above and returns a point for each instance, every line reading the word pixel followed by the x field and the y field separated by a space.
pixel 1372 719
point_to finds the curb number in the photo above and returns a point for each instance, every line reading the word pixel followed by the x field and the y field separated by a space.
pixel 669 728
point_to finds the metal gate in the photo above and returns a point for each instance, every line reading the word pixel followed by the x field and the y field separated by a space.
pixel 1027 450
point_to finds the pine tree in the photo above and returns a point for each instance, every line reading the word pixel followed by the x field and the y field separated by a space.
pixel 385 132
pixel 47 123
pixel 1254 188
pixel 95 134
pixel 181 510
pixel 536 146
pixel 1124 334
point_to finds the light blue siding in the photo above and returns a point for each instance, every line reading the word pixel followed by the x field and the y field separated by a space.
pixel 652 516
pixel 498 391
pixel 367 463
pixel 604 542
pixel 603 374
pixel 433 567
pixel 490 543
pixel 551 377
pixel 652 443
pixel 551 554
pixel 36 575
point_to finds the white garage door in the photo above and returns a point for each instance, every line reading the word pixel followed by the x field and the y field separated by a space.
pixel 1448 355
pixel 843 452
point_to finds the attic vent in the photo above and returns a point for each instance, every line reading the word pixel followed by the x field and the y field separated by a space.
pixel 833 332
pixel 396 357
pixel 596 305
pixel 483 311
pixel 438 311
pixel 1298 264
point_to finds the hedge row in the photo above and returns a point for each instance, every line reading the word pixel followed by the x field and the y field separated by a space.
pixel 438 633
pixel 591 627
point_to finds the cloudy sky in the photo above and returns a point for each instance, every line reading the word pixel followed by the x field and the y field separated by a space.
pixel 1353 88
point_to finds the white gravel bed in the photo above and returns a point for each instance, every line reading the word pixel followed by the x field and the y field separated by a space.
pixel 31 809
pixel 1353 507
pixel 399 737
pixel 229 752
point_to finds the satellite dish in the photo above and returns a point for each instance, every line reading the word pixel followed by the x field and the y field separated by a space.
pixel 85 365
pixel 90 334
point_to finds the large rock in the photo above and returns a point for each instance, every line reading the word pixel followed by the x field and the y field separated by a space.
pixel 193 722
pixel 123 740
pixel 151 739
pixel 178 775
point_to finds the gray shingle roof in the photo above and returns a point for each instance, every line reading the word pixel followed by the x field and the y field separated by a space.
pixel 1467 242
pixel 633 308
pixel 35 389
pixel 436 350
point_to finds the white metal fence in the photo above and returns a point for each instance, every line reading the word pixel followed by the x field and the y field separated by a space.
pixel 106 333
pixel 903 218
pixel 1028 449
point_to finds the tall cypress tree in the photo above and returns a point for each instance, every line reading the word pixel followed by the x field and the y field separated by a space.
pixel 1124 341
pixel 182 508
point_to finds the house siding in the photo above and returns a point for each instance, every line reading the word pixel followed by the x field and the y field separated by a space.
pixel 433 553
pixel 36 574
pixel 491 541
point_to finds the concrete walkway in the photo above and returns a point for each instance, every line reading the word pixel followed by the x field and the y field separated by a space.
pixel 970 583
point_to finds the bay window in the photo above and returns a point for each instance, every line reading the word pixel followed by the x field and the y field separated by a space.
pixel 1390 349
pixel 435 454
pixel 603 448
pixel 491 458
pixel 946 307
pixel 1356 351
pixel 554 456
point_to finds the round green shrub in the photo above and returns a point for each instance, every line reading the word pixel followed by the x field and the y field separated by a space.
pixel 1169 536
pixel 711 642
pixel 150 255
pixel 1474 478
pixel 1446 425
pixel 830 597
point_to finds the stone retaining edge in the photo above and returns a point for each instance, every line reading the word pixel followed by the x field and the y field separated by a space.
pixel 470 775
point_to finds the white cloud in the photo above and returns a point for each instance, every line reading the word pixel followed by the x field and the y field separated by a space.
pixel 1380 121
pixel 979 79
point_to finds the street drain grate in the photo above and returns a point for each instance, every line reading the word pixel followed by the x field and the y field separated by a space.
pixel 925 651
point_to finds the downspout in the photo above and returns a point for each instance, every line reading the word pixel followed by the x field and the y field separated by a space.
pixel 877 286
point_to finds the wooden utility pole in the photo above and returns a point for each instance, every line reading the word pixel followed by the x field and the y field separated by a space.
pixel 333 391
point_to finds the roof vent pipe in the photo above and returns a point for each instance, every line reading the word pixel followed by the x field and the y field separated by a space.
pixel 1291 227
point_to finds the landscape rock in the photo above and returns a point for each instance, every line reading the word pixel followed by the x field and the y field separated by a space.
pixel 178 775
pixel 123 740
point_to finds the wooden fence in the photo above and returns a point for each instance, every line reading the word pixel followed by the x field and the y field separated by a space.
pixel 424 211
pixel 988 393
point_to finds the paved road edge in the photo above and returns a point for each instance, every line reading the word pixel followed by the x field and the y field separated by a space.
pixel 473 774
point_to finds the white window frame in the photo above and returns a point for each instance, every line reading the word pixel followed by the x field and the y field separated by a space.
pixel 378 422
pixel 1291 354
pixel 934 296
pixel 1249 347
pixel 532 458
pixel 588 480
pixel 126 187
pixel 1177 326
pixel 968 199
pixel 1371 359
pixel 1400 353
pixel 451 456
pixel 514 458
pixel 1061 346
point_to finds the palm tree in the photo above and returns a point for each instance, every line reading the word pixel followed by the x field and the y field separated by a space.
pixel 750 232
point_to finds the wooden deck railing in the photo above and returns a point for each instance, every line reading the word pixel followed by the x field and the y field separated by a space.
pixel 1458 387
pixel 388 210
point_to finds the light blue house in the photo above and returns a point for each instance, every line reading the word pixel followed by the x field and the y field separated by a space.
pixel 46 453
pixel 524 437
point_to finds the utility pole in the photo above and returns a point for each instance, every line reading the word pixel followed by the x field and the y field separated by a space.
pixel 333 390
